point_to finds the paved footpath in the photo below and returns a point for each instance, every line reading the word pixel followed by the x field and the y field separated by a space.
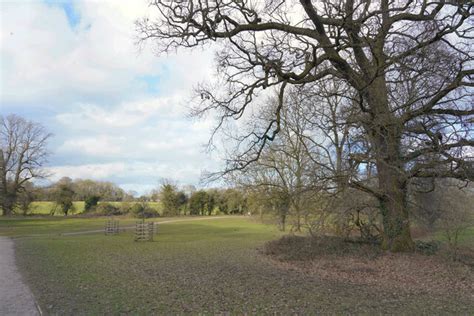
pixel 15 296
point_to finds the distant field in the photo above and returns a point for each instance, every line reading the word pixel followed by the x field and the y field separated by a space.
pixel 466 237
pixel 45 207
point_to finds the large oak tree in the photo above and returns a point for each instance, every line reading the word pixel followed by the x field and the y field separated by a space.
pixel 409 66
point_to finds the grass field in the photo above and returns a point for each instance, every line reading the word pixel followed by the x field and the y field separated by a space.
pixel 45 207
pixel 466 237
pixel 207 267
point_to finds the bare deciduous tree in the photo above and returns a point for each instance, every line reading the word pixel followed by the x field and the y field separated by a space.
pixel 22 154
pixel 286 170
pixel 408 64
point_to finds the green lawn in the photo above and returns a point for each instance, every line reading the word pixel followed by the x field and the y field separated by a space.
pixel 32 226
pixel 206 267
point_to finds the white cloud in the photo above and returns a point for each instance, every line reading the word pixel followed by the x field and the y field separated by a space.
pixel 147 129
pixel 126 114
pixel 147 175
pixel 117 113
pixel 87 171
pixel 45 58
pixel 101 145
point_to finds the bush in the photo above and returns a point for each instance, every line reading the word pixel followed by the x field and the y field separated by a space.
pixel 91 202
pixel 143 210
pixel 126 207
pixel 427 247
pixel 24 201
pixel 107 209
pixel 356 212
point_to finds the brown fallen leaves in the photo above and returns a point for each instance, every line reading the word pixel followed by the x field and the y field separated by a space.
pixel 332 259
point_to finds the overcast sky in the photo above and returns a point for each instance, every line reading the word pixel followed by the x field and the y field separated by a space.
pixel 117 113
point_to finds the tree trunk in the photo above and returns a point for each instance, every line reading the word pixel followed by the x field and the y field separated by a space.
pixel 393 207
pixel 385 135
pixel 8 202
pixel 298 217
pixel 282 221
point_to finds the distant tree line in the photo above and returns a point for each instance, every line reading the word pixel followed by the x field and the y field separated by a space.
pixel 101 197
pixel 84 189
pixel 189 201
pixel 65 191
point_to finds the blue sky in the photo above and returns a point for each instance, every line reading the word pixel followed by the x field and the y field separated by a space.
pixel 73 16
pixel 117 113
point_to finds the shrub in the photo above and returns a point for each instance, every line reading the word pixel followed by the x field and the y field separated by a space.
pixel 356 213
pixel 126 207
pixel 107 209
pixel 143 210
pixel 24 201
pixel 91 202
pixel 427 247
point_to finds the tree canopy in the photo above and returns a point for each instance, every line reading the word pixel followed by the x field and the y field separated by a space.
pixel 402 69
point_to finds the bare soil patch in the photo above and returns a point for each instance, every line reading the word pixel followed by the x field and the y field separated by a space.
pixel 333 259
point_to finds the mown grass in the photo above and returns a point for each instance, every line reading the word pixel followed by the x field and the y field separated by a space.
pixel 201 267
pixel 32 226
pixel 47 226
